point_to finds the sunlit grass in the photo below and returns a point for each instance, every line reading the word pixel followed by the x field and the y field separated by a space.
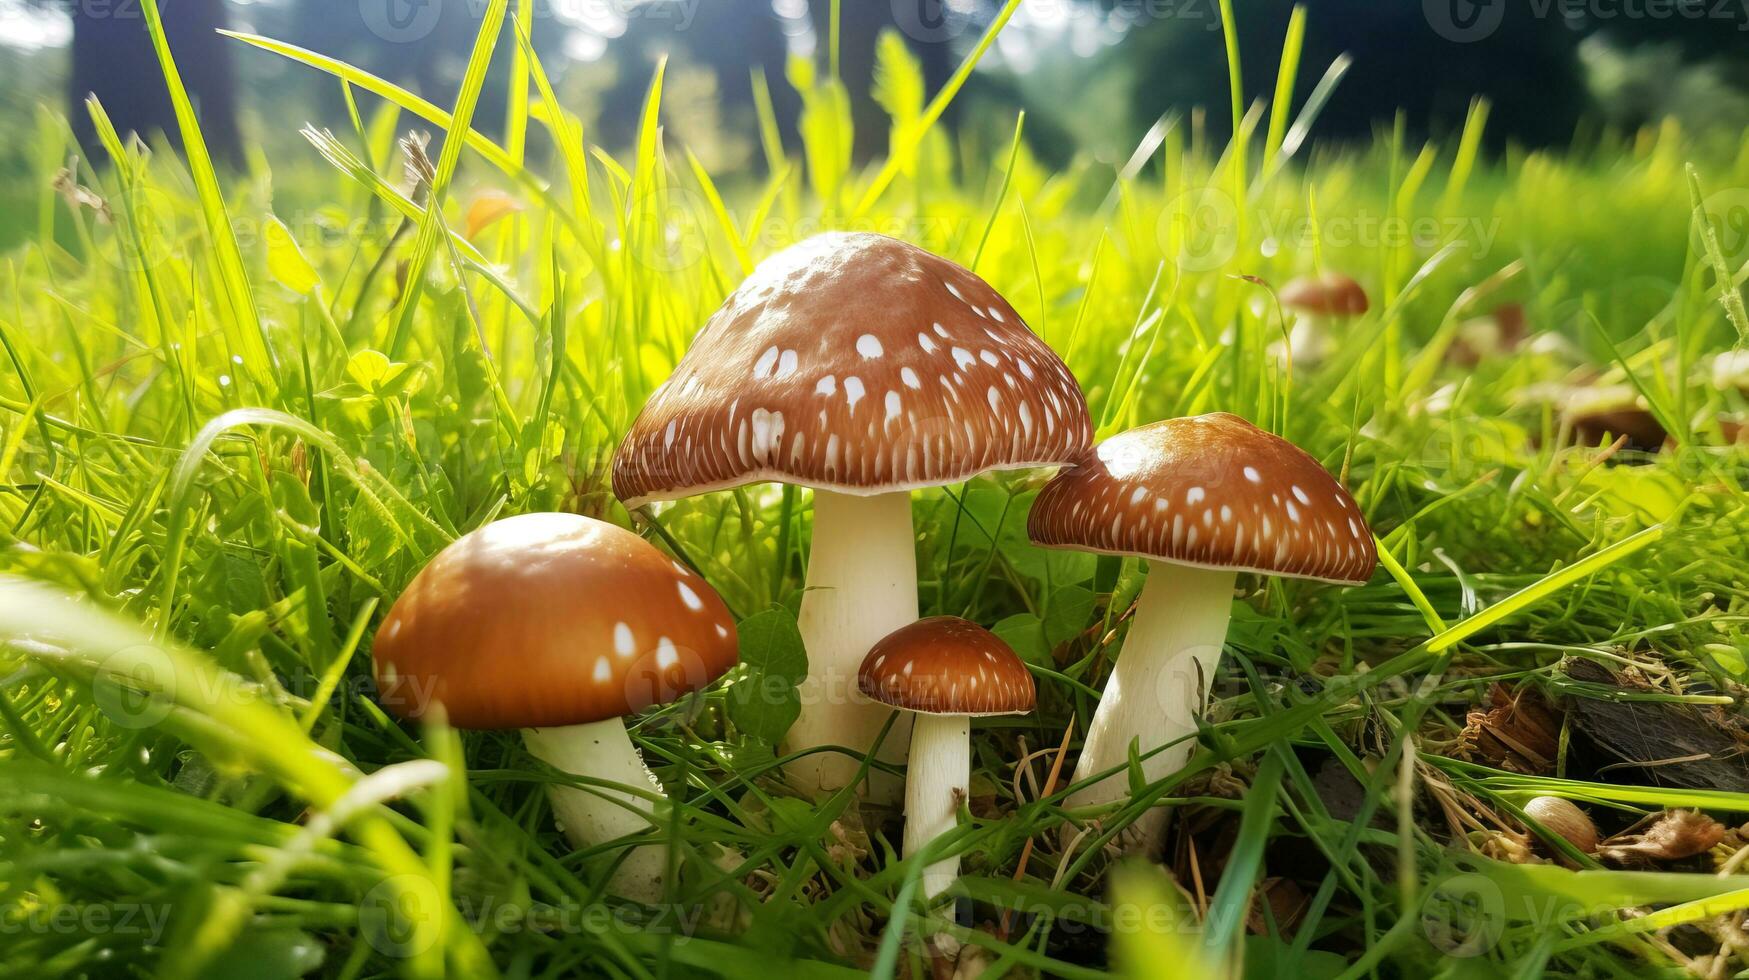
pixel 240 445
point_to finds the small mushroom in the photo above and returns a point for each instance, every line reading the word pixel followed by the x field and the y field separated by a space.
pixel 562 626
pixel 1486 337
pixel 1731 371
pixel 1317 303
pixel 1600 414
pixel 1200 499
pixel 1563 818
pixel 865 368
pixel 947 671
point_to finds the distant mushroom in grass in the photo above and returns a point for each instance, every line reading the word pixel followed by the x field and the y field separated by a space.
pixel 864 368
pixel 1317 302
pixel 947 671
pixel 1730 372
pixel 1596 414
pixel 561 626
pixel 1485 338
pixel 1201 499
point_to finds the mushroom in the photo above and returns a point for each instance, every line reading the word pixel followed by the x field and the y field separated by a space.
pixel 1562 817
pixel 1485 338
pixel 562 626
pixel 1201 499
pixel 864 368
pixel 1316 302
pixel 947 671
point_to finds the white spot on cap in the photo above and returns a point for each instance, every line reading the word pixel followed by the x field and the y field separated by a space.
pixel 722 631
pixel 786 364
pixel 940 331
pixel 869 346
pixel 623 642
pixel 995 399
pixel 963 357
pixel 767 433
pixel 1025 368
pixel 767 361
pixel 603 671
pixel 1140 495
pixel 1301 495
pixel 951 289
pixel 826 386
pixel 666 655
pixel 1252 474
pixel 910 378
pixel 990 358
pixel 1194 495
pixel 688 596
pixel 853 391
pixel 924 341
pixel 1226 514
pixel 997 314
pixel 894 405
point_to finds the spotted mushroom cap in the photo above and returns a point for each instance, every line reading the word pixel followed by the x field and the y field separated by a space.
pixel 1213 491
pixel 856 363
pixel 1331 294
pixel 549 620
pixel 947 666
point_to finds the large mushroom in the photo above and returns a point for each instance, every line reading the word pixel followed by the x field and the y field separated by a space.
pixel 1200 499
pixel 561 626
pixel 864 368
pixel 946 671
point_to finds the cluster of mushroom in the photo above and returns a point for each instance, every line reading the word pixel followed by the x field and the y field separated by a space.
pixel 862 368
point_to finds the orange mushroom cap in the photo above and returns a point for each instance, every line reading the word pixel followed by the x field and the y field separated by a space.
pixel 947 666
pixel 548 620
pixel 856 363
pixel 1213 491
pixel 1331 294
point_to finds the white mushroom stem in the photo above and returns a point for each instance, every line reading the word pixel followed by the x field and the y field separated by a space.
pixel 598 815
pixel 1157 687
pixel 861 586
pixel 935 783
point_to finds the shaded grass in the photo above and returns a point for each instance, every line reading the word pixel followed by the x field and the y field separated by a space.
pixel 229 470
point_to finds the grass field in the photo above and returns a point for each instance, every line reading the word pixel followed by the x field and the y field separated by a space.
pixel 237 414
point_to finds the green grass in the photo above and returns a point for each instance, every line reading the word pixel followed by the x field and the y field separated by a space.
pixel 225 449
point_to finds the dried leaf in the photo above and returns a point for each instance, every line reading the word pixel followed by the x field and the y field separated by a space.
pixel 488 209
pixel 1676 835
pixel 1517 733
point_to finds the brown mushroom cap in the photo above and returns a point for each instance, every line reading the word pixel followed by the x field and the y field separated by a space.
pixel 1331 294
pixel 947 666
pixel 856 363
pixel 1213 491
pixel 548 620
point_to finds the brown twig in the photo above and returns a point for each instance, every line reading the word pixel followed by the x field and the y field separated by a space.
pixel 1050 787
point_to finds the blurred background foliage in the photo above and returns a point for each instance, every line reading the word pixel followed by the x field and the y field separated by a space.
pixel 1092 74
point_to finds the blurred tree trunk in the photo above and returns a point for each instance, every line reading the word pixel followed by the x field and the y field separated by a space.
pixel 113 59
